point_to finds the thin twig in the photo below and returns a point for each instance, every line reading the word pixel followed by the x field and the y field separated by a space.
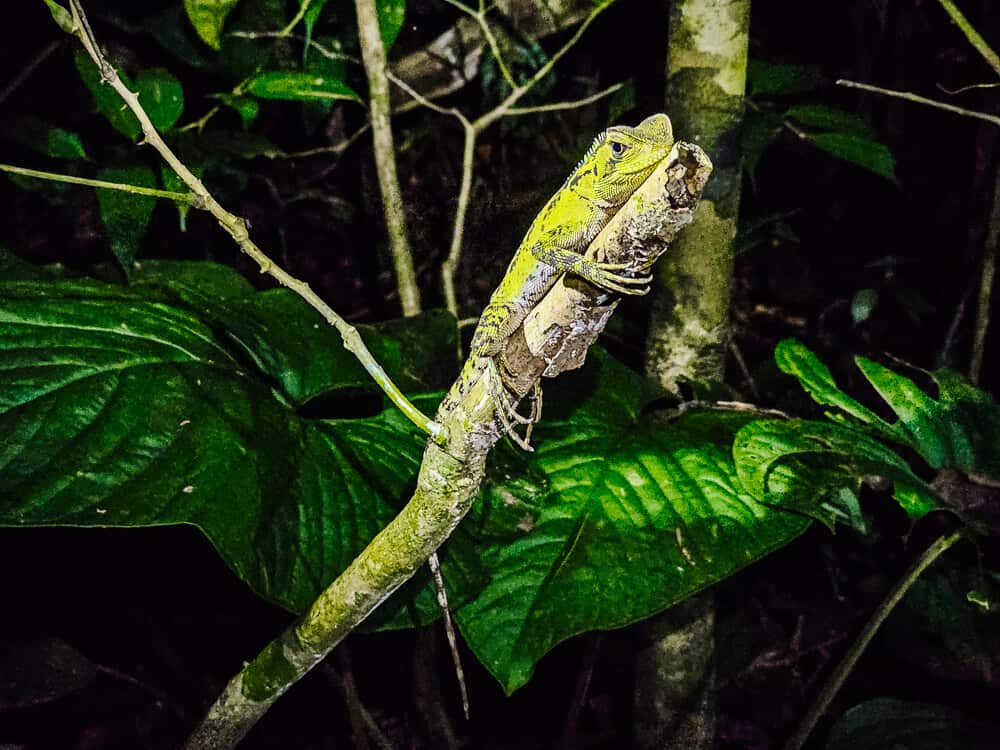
pixel 515 96
pixel 571 104
pixel 376 67
pixel 986 276
pixel 27 70
pixel 329 54
pixel 374 730
pixel 237 229
pixel 843 669
pixel 920 100
pixel 353 700
pixel 303 7
pixel 190 198
pixel 449 628
pixel 472 131
pixel 480 18
pixel 974 37
pixel 963 89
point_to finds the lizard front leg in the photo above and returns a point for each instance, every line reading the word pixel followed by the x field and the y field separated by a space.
pixel 607 276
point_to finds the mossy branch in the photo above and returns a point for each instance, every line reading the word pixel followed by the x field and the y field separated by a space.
pixel 237 227
pixel 554 338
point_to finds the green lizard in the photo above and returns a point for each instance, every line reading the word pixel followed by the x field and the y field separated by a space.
pixel 616 164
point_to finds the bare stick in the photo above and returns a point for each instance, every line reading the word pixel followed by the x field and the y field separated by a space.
pixel 920 100
pixel 473 129
pixel 27 70
pixel 894 597
pixel 101 184
pixel 373 54
pixel 237 229
pixel 986 276
pixel 571 104
pixel 449 629
pixel 974 37
pixel 491 40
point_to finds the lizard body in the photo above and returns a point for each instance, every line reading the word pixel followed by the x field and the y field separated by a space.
pixel 616 164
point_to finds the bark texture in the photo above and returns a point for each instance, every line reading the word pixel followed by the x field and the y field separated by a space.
pixel 706 78
pixel 553 339
pixel 688 339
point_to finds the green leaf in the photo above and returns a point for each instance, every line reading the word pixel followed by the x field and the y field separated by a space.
pixel 175 184
pixel 45 138
pixel 818 460
pixel 288 501
pixel 311 17
pixel 822 117
pixel 161 96
pixel 960 429
pixel 391 15
pixel 208 17
pixel 856 149
pixel 108 102
pixel 760 130
pixel 863 304
pixel 794 358
pixel 890 724
pixel 246 107
pixel 297 85
pixel 126 215
pixel 62 17
pixel 770 79
pixel 642 514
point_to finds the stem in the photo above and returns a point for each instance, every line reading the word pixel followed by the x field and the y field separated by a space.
pixel 237 229
pixel 27 70
pixel 986 277
pixel 303 7
pixel 373 54
pixel 502 109
pixel 894 597
pixel 920 100
pixel 975 39
pixel 480 18
pixel 100 184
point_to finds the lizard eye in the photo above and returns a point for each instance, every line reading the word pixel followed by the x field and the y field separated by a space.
pixel 618 148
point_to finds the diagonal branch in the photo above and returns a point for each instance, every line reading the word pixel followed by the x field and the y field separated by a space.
pixel 237 229
pixel 554 338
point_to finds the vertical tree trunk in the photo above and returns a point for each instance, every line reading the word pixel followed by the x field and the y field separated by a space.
pixel 706 77
pixel 689 333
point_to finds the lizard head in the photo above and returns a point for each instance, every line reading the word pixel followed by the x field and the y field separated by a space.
pixel 622 157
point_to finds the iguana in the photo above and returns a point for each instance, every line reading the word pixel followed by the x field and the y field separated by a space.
pixel 616 164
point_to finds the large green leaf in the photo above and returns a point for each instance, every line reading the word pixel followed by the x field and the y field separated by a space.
pixel 776 79
pixel 299 85
pixel 860 150
pixel 126 215
pixel 890 724
pixel 108 102
pixel 135 406
pixel 208 17
pixel 44 138
pixel 802 465
pixel 162 96
pixel 822 117
pixel 642 514
pixel 959 429
pixel 391 14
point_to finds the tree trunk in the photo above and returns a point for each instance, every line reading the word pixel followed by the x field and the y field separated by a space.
pixel 689 333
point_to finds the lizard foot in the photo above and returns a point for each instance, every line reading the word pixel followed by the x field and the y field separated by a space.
pixel 610 276
pixel 507 407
